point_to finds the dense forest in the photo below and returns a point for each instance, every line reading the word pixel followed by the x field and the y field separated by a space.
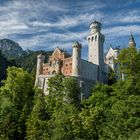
pixel 4 63
pixel 27 61
pixel 112 111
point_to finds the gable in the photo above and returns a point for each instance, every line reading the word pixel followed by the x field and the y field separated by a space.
pixel 110 53
pixel 57 52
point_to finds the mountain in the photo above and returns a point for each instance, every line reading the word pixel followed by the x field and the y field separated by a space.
pixel 11 54
pixel 10 49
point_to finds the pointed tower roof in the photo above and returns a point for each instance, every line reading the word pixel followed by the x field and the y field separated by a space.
pixel 77 44
pixel 132 43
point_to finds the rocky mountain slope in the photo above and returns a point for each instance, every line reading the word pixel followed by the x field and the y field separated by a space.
pixel 10 49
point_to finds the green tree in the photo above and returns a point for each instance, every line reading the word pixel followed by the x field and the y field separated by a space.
pixel 129 59
pixel 111 76
pixel 55 116
pixel 113 111
pixel 62 90
pixel 37 123
pixel 71 90
pixel 15 103
pixel 64 123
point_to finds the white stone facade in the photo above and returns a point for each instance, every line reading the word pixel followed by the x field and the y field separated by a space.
pixel 111 56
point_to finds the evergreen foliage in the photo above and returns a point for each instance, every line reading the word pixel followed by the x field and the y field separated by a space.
pixel 28 60
pixel 111 76
pixel 15 103
pixel 4 63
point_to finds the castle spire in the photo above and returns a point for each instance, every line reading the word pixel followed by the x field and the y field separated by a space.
pixel 132 43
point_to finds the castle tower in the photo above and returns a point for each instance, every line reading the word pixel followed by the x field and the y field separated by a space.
pixel 40 61
pixel 76 59
pixel 116 53
pixel 95 50
pixel 132 43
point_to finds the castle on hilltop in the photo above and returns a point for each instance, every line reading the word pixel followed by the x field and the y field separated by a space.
pixel 86 72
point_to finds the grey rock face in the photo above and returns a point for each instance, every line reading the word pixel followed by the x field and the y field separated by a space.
pixel 10 49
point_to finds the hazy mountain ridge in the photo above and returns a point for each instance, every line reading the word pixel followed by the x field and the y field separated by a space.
pixel 10 49
pixel 11 54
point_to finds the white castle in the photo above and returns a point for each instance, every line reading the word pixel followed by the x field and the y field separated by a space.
pixel 88 72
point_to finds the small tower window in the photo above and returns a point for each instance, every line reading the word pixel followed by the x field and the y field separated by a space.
pixel 96 38
pixel 89 39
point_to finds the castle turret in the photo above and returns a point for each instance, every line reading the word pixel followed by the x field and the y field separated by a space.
pixel 95 27
pixel 39 68
pixel 116 53
pixel 95 50
pixel 132 43
pixel 76 59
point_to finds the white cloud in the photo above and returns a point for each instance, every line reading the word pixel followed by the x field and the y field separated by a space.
pixel 39 19
pixel 119 35
pixel 51 40
pixel 69 21
pixel 132 16
pixel 119 31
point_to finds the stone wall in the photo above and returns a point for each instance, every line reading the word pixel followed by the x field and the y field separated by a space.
pixel 89 70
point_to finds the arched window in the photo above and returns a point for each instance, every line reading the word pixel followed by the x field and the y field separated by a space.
pixel 96 38
pixel 89 39
pixel 92 39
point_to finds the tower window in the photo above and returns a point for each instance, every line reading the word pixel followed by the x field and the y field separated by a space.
pixel 96 38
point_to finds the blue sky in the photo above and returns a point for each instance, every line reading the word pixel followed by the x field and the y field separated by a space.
pixel 46 24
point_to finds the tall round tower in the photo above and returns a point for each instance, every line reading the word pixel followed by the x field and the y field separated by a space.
pixel 76 59
pixel 95 50
pixel 95 42
pixel 39 68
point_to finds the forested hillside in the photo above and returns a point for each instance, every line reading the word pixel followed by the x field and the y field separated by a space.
pixel 11 54
pixel 28 60
pixel 4 63
pixel 112 112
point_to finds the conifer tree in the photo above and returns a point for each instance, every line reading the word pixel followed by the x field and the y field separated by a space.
pixel 15 103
